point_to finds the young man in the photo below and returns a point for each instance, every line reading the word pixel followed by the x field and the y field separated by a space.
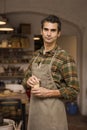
pixel 52 77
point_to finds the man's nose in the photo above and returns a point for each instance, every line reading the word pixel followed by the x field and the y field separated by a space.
pixel 49 33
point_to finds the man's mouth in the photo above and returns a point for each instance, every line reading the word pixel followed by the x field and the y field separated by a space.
pixel 48 38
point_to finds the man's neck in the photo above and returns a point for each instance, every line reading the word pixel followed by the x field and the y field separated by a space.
pixel 48 47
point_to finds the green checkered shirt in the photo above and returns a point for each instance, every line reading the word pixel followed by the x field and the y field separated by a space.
pixel 64 71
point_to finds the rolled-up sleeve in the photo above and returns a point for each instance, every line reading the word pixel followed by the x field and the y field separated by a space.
pixel 27 74
pixel 69 73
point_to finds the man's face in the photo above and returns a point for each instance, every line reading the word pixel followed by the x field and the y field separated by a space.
pixel 50 32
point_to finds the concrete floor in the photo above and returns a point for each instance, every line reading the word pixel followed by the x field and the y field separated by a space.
pixel 77 122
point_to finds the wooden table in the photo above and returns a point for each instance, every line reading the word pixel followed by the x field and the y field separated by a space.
pixel 24 99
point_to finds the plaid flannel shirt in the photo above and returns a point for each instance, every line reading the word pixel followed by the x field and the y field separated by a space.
pixel 63 70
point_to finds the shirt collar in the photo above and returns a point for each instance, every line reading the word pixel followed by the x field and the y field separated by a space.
pixel 51 52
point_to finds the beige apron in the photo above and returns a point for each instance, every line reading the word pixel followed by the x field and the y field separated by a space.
pixel 46 113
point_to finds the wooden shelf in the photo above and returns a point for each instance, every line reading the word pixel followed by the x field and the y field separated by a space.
pixel 14 52
pixel 14 63
pixel 11 77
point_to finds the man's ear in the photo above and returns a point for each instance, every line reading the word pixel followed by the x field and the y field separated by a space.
pixel 59 33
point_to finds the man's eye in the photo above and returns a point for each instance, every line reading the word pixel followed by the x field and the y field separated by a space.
pixel 53 30
pixel 45 29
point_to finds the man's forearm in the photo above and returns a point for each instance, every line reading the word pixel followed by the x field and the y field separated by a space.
pixel 53 93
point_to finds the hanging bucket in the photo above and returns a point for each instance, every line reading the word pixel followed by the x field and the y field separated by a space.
pixel 71 108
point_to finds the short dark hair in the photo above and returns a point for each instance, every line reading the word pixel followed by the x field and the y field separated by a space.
pixel 52 19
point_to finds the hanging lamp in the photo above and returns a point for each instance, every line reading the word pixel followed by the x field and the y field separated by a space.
pixel 2 21
pixel 6 26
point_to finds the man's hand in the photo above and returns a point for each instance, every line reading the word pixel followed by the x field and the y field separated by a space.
pixel 40 91
pixel 44 92
pixel 33 80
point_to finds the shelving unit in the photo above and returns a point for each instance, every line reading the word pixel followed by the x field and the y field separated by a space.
pixel 14 58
